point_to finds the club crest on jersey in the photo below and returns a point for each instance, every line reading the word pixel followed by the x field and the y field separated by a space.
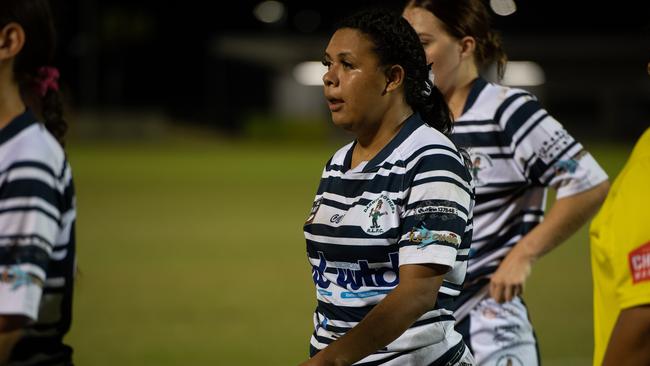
pixel 479 163
pixel 375 210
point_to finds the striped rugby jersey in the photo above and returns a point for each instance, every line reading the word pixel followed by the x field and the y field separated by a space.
pixel 37 239
pixel 517 150
pixel 410 204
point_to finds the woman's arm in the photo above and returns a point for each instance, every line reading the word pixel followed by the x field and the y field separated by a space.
pixel 566 216
pixel 415 294
pixel 629 344
pixel 11 329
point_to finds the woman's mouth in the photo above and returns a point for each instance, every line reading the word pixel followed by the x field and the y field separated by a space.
pixel 334 104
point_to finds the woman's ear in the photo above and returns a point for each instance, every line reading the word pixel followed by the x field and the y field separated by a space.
pixel 394 78
pixel 467 46
pixel 12 40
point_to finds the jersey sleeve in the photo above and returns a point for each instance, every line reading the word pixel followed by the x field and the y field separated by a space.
pixel 544 152
pixel 632 236
pixel 437 211
pixel 29 225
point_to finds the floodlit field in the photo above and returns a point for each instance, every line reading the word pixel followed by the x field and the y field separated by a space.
pixel 191 253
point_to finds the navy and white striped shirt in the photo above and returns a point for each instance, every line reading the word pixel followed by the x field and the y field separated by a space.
pixel 411 204
pixel 517 150
pixel 37 240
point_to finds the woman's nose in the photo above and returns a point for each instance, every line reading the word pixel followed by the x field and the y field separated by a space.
pixel 328 78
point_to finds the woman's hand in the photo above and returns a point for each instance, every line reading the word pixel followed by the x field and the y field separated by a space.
pixel 509 279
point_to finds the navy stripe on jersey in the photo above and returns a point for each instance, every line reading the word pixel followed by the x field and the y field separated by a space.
pixel 480 139
pixel 37 233
pixel 498 115
pixel 32 164
pixel 521 116
pixel 411 204
pixel 352 253
pixel 30 188
pixel 347 231
pixel 345 207
pixel 32 254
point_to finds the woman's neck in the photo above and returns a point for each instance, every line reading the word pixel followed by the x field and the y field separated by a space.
pixel 456 97
pixel 11 104
pixel 370 142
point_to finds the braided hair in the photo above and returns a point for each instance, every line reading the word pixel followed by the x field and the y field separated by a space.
pixel 396 43
pixel 35 17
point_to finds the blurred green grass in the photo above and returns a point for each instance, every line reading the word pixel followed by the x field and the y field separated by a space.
pixel 191 252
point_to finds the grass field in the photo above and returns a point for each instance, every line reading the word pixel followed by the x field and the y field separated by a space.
pixel 191 253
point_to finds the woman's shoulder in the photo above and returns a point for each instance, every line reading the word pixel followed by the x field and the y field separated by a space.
pixel 493 97
pixel 36 144
pixel 427 135
pixel 425 141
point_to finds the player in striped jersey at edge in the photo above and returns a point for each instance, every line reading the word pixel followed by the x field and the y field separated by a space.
pixel 37 204
pixel 390 227
pixel 517 150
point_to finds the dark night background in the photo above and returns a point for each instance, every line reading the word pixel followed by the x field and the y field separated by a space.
pixel 140 55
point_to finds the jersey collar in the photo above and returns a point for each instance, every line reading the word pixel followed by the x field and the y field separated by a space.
pixel 411 124
pixel 477 87
pixel 16 125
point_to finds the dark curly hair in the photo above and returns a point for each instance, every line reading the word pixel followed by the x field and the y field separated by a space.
pixel 396 43
pixel 35 17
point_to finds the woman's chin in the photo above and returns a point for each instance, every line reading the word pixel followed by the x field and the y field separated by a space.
pixel 342 123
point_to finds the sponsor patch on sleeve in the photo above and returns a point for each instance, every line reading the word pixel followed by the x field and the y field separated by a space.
pixel 639 260
pixel 314 210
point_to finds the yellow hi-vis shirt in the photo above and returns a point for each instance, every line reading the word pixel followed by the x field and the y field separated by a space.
pixel 620 246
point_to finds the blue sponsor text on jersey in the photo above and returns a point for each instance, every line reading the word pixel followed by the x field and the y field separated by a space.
pixel 353 279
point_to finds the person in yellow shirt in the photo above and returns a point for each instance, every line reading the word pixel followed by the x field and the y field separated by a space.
pixel 620 260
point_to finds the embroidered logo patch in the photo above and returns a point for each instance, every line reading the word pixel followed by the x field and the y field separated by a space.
pixel 479 163
pixel 380 206
pixel 17 277
pixel 569 165
pixel 639 260
pixel 425 237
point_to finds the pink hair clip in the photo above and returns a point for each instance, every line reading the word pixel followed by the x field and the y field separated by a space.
pixel 48 79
